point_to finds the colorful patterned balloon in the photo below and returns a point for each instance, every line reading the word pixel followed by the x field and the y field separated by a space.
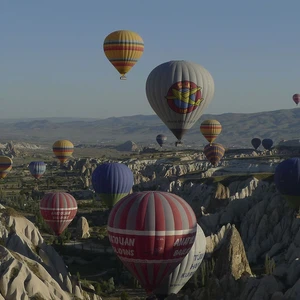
pixel 123 48
pixel 214 153
pixel 37 169
pixel 112 181
pixel 63 149
pixel 151 232
pixel 5 166
pixel 210 129
pixel 179 92
pixel 58 210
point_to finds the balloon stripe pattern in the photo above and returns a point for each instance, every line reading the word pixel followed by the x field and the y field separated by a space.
pixel 5 166
pixel 37 169
pixel 123 49
pixel 161 139
pixel 151 232
pixel 63 149
pixel 186 269
pixel 112 181
pixel 214 153
pixel 210 129
pixel 58 210
pixel 179 92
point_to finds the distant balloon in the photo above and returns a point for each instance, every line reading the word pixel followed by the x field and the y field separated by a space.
pixel 186 269
pixel 256 143
pixel 214 153
pixel 37 169
pixel 287 180
pixel 123 48
pixel 210 129
pixel 151 232
pixel 112 181
pixel 267 144
pixel 5 166
pixel 161 139
pixel 179 92
pixel 63 149
pixel 58 210
pixel 296 98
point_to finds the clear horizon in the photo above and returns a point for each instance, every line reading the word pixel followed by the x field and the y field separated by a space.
pixel 53 64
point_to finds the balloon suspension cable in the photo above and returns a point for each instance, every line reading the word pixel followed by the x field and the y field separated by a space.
pixel 123 77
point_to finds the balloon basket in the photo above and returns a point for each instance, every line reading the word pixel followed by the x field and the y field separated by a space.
pixel 123 77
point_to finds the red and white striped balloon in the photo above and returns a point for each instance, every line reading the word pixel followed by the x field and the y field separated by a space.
pixel 151 232
pixel 58 210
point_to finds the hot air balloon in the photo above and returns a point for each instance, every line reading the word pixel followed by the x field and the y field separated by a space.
pixel 179 92
pixel 267 144
pixel 151 232
pixel 123 48
pixel 214 153
pixel 5 166
pixel 112 181
pixel 256 143
pixel 63 149
pixel 161 139
pixel 287 180
pixel 58 210
pixel 210 129
pixel 296 98
pixel 37 169
pixel 186 269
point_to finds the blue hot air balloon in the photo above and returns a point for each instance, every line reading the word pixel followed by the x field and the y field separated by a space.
pixel 267 144
pixel 161 139
pixel 112 181
pixel 287 180
pixel 37 169
pixel 256 143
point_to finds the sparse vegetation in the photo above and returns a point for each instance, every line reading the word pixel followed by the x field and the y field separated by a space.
pixel 269 265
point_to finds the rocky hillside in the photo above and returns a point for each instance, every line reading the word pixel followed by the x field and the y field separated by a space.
pixel 29 268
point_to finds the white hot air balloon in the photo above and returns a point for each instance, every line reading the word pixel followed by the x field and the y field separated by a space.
pixel 185 270
pixel 179 91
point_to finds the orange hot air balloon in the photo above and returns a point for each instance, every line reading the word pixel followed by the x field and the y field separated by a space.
pixel 210 129
pixel 63 149
pixel 123 48
pixel 5 166
pixel 214 153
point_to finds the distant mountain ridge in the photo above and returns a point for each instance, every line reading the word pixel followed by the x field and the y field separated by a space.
pixel 238 128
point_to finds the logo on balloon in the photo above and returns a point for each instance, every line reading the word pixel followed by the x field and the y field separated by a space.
pixel 184 97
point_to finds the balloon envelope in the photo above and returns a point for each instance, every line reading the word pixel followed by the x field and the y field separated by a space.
pixel 287 180
pixel 267 144
pixel 179 92
pixel 63 149
pixel 151 232
pixel 186 269
pixel 256 143
pixel 112 181
pixel 58 210
pixel 214 153
pixel 5 166
pixel 210 129
pixel 296 98
pixel 123 48
pixel 37 169
pixel 161 139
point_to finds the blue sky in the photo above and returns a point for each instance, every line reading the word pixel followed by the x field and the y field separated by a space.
pixel 52 62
